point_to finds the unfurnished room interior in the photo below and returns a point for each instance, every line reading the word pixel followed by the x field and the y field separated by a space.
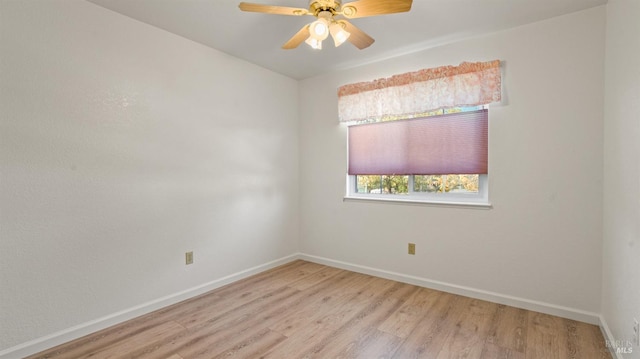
pixel 320 179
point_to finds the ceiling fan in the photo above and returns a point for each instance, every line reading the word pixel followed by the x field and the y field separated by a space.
pixel 326 22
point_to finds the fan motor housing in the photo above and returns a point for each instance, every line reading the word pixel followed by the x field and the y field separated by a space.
pixel 316 6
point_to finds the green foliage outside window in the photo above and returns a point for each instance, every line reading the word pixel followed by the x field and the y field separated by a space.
pixel 392 184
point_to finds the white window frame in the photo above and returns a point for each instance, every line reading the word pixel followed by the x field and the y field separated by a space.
pixel 478 199
pixel 471 199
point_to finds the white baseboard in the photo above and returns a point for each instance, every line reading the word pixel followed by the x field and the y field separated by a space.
pixel 552 309
pixel 608 336
pixel 61 337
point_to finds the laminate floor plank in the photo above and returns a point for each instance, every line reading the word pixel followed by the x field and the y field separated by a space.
pixel 307 310
pixel 267 280
pixel 254 323
pixel 315 278
pixel 228 329
pixel 585 341
pixel 402 322
pixel 545 337
pixel 296 322
pixel 493 351
pixel 431 333
pixel 289 277
pixel 375 312
pixel 116 334
pixel 472 328
pixel 314 329
pixel 509 328
pixel 124 347
pixel 370 344
pixel 253 346
pixel 207 335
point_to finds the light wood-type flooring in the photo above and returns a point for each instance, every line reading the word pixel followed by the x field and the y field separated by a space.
pixel 307 310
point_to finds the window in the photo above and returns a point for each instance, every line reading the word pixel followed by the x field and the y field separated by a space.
pixel 438 157
pixel 406 151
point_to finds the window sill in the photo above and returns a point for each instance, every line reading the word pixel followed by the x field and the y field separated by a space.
pixel 420 202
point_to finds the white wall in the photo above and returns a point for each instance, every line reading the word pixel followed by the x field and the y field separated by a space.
pixel 122 147
pixel 621 251
pixel 542 239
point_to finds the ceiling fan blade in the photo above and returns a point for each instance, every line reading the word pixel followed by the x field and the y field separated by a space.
pixel 364 8
pixel 358 37
pixel 270 9
pixel 297 39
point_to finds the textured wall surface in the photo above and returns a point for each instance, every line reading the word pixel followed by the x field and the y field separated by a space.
pixel 122 147
pixel 542 240
pixel 621 250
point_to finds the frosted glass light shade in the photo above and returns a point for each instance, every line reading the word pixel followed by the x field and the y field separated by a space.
pixel 314 43
pixel 338 33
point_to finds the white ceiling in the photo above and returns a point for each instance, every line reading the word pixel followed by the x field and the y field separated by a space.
pixel 258 38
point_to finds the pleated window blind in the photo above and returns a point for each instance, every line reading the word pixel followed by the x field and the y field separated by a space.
pixel 447 144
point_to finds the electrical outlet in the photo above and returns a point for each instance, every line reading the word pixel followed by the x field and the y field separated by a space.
pixel 412 248
pixel 188 258
pixel 636 332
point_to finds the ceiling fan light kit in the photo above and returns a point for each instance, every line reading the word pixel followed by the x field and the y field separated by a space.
pixel 325 24
pixel 320 29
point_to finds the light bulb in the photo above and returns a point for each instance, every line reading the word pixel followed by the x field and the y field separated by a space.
pixel 314 43
pixel 319 29
pixel 339 34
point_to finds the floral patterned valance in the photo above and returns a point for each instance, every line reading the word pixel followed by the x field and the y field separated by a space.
pixel 469 84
